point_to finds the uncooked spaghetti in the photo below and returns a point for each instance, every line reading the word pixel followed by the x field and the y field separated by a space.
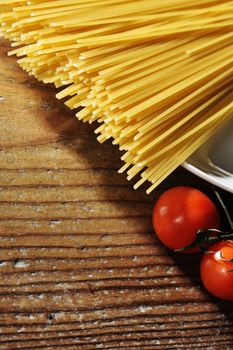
pixel 156 75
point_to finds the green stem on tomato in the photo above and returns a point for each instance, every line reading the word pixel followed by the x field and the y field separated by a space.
pixel 221 236
pixel 228 216
pixel 204 237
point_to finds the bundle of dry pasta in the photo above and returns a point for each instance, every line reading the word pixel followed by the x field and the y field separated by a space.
pixel 156 75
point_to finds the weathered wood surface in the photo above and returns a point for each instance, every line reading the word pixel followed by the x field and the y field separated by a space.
pixel 80 266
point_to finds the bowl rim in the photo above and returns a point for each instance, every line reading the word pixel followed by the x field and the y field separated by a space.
pixel 211 174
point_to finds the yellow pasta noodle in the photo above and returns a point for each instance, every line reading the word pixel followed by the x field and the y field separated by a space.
pixel 156 75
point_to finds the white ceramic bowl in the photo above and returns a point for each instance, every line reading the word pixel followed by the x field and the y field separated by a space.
pixel 214 160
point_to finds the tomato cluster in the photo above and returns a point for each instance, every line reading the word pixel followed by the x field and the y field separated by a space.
pixel 178 215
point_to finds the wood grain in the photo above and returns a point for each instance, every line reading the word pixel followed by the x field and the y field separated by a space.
pixel 80 265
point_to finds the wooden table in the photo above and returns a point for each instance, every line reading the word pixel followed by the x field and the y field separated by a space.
pixel 80 265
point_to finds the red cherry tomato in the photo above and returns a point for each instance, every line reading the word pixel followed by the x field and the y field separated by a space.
pixel 216 272
pixel 179 213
